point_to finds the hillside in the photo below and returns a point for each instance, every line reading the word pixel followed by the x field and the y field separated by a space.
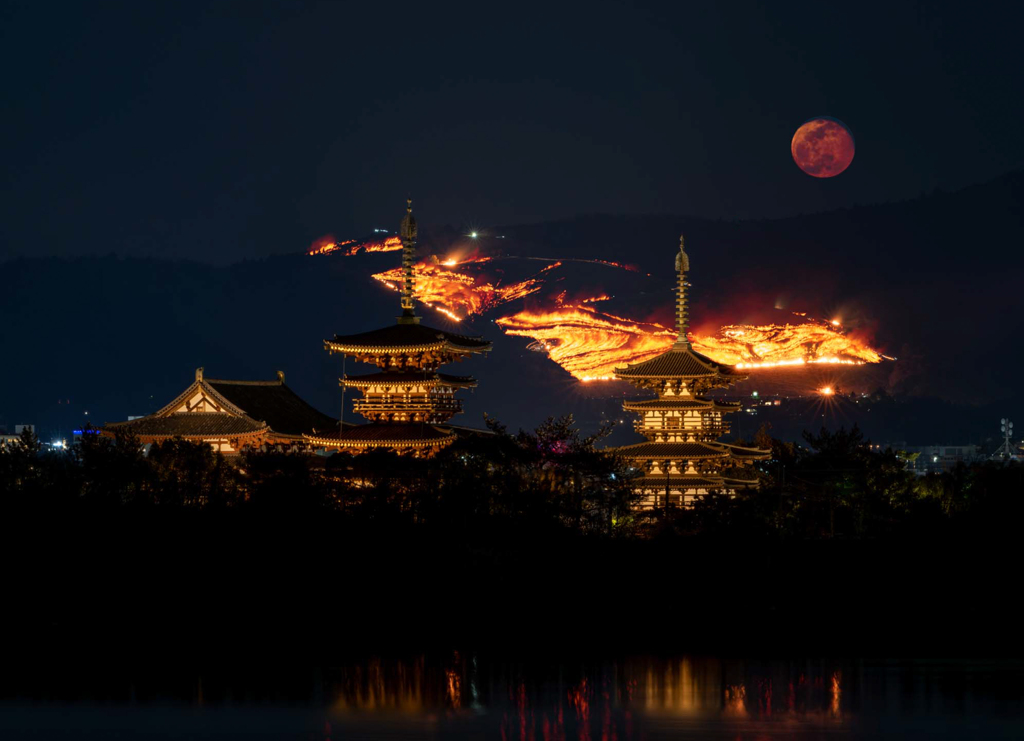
pixel 118 336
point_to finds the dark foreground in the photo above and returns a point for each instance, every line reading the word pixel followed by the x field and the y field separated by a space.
pixel 524 541
pixel 503 592
pixel 183 584
pixel 179 625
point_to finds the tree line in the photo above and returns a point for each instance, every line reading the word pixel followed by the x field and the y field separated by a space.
pixel 554 479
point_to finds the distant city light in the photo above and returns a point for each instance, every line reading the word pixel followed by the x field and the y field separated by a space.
pixel 473 235
pixel 836 323
pixel 826 391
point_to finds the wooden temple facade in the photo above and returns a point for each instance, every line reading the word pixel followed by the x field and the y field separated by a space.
pixel 682 459
pixel 232 415
pixel 407 401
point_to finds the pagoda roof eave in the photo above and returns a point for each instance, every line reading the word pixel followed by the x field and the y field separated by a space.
pixel 682 404
pixel 740 452
pixel 679 362
pixel 673 451
pixel 385 435
pixel 748 483
pixel 386 378
pixel 406 338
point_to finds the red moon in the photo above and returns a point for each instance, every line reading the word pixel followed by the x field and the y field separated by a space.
pixel 823 147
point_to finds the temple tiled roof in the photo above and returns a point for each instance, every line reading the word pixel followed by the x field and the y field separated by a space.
pixel 246 407
pixel 276 404
pixel 191 424
pixel 408 338
pixel 679 362
pixel 674 451
pixel 396 378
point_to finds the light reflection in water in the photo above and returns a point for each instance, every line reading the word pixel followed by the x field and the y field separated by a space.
pixel 735 700
pixel 605 701
pixel 836 694
pixel 379 685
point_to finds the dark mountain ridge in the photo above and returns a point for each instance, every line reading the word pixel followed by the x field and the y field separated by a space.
pixel 936 281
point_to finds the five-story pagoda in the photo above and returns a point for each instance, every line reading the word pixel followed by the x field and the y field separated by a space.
pixel 407 401
pixel 682 459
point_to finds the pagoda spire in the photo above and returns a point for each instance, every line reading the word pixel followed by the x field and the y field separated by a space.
pixel 407 233
pixel 682 323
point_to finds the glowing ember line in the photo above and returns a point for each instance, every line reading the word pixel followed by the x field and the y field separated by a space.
pixel 325 246
pixel 623 266
pixel 350 247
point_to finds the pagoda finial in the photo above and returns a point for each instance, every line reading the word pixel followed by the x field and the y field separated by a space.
pixel 199 373
pixel 682 265
pixel 407 233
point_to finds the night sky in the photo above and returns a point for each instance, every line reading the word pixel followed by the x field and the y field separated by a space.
pixel 219 131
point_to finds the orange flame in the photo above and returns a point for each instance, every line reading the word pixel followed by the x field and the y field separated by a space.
pixel 456 294
pixel 589 344
pixel 779 345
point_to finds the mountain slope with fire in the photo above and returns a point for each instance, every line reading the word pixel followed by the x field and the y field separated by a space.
pixel 475 276
pixel 753 273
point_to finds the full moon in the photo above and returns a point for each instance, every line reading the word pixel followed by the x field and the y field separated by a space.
pixel 823 147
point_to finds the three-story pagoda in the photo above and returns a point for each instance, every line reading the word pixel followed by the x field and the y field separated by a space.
pixel 407 401
pixel 682 459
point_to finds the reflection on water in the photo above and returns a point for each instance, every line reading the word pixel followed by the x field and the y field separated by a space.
pixel 468 695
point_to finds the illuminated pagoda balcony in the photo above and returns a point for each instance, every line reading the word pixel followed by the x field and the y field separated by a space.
pixel 437 411
pixel 672 434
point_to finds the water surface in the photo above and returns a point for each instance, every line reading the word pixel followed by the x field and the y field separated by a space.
pixel 466 695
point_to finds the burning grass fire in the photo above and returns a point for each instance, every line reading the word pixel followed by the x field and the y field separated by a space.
pixel 457 294
pixel 586 342
pixel 589 343
pixel 777 345
pixel 349 247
